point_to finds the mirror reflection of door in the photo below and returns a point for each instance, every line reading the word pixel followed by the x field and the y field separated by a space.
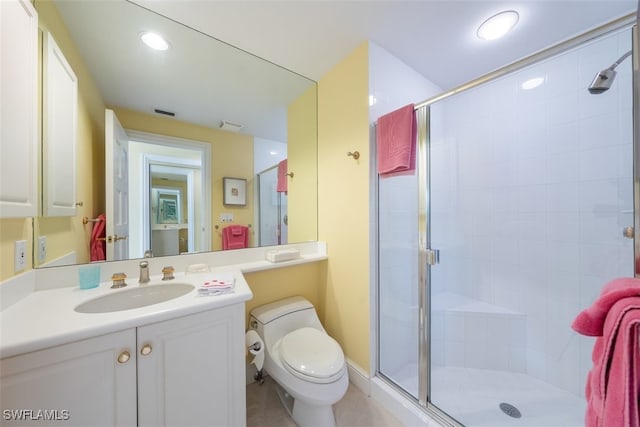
pixel 154 183
pixel 171 209
pixel 157 161
pixel 117 188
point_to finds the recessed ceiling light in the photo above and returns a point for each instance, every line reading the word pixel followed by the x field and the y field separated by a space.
pixel 154 41
pixel 498 25
pixel 532 83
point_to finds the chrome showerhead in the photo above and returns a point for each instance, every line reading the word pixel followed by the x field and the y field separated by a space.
pixel 602 81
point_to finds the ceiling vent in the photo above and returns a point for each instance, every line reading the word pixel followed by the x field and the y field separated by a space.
pixel 230 126
pixel 164 112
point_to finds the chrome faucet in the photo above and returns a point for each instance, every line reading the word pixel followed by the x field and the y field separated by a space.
pixel 144 272
pixel 148 253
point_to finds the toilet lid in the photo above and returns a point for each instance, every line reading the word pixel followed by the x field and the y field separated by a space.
pixel 312 353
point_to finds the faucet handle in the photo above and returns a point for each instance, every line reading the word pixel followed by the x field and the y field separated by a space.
pixel 167 273
pixel 118 280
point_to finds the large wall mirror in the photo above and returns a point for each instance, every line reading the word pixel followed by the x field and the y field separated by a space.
pixel 158 131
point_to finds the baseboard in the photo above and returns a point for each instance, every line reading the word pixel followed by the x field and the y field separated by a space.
pixel 358 377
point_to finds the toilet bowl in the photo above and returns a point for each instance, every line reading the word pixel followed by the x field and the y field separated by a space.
pixel 305 362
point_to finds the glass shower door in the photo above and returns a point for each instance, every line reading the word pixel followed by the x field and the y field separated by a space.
pixel 530 189
pixel 272 209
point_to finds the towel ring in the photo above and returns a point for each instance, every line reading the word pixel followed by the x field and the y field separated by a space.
pixel 355 155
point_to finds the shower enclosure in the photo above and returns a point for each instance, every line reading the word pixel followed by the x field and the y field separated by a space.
pixel 512 225
pixel 272 209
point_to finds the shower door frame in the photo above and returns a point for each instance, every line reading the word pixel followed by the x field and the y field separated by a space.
pixel 422 167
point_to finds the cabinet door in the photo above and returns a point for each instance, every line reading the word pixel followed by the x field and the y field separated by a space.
pixel 77 384
pixel 18 112
pixel 59 124
pixel 194 372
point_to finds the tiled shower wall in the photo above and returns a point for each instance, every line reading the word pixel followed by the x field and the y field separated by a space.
pixel 530 191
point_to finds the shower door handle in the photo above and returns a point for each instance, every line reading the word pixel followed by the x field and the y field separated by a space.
pixel 433 256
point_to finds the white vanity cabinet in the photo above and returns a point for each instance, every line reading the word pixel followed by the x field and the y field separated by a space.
pixel 79 384
pixel 185 371
pixel 194 372
pixel 18 109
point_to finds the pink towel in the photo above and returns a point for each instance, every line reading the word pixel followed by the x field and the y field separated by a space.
pixel 282 185
pixel 235 237
pixel 613 383
pixel 97 247
pixel 591 321
pixel 396 142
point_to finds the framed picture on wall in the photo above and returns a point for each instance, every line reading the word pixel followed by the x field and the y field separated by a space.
pixel 234 191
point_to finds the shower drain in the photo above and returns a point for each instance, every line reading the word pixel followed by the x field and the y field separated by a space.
pixel 510 410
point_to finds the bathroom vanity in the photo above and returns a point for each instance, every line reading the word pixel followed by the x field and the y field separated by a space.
pixel 179 362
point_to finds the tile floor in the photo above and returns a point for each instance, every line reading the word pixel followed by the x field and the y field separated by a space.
pixel 354 410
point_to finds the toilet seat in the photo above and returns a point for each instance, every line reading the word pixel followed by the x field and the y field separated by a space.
pixel 312 355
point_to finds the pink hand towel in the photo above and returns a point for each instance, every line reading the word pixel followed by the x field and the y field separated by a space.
pixel 396 142
pixel 97 247
pixel 235 237
pixel 282 184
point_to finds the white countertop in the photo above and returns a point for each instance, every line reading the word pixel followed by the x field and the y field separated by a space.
pixel 47 318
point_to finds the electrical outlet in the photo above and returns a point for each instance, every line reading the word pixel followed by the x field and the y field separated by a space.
pixel 20 255
pixel 42 248
pixel 226 217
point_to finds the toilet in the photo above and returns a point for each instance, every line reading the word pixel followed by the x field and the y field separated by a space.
pixel 306 363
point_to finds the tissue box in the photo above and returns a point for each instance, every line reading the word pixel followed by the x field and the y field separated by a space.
pixel 282 255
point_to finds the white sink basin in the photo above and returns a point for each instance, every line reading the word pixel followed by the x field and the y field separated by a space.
pixel 140 296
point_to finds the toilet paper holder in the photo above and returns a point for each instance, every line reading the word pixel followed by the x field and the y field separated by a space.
pixel 255 346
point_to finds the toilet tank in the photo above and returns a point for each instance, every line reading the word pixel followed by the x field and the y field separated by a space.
pixel 274 320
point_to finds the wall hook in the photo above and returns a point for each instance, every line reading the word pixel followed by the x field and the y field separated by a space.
pixel 355 155
pixel 290 174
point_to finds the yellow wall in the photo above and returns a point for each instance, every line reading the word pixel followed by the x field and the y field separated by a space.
pixel 231 156
pixel 10 231
pixel 302 200
pixel 343 193
pixel 306 280
pixel 68 234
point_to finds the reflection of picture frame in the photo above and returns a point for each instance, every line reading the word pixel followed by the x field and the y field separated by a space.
pixel 234 191
pixel 168 212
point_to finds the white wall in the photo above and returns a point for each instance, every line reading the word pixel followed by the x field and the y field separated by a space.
pixel 392 84
pixel 530 192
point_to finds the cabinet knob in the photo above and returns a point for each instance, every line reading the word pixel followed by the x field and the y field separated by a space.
pixel 124 357
pixel 146 349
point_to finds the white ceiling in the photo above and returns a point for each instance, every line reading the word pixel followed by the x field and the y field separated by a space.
pixel 436 38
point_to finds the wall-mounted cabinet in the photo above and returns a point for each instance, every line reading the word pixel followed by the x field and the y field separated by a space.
pixel 59 125
pixel 18 109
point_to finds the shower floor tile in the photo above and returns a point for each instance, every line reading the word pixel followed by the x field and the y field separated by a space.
pixel 474 396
